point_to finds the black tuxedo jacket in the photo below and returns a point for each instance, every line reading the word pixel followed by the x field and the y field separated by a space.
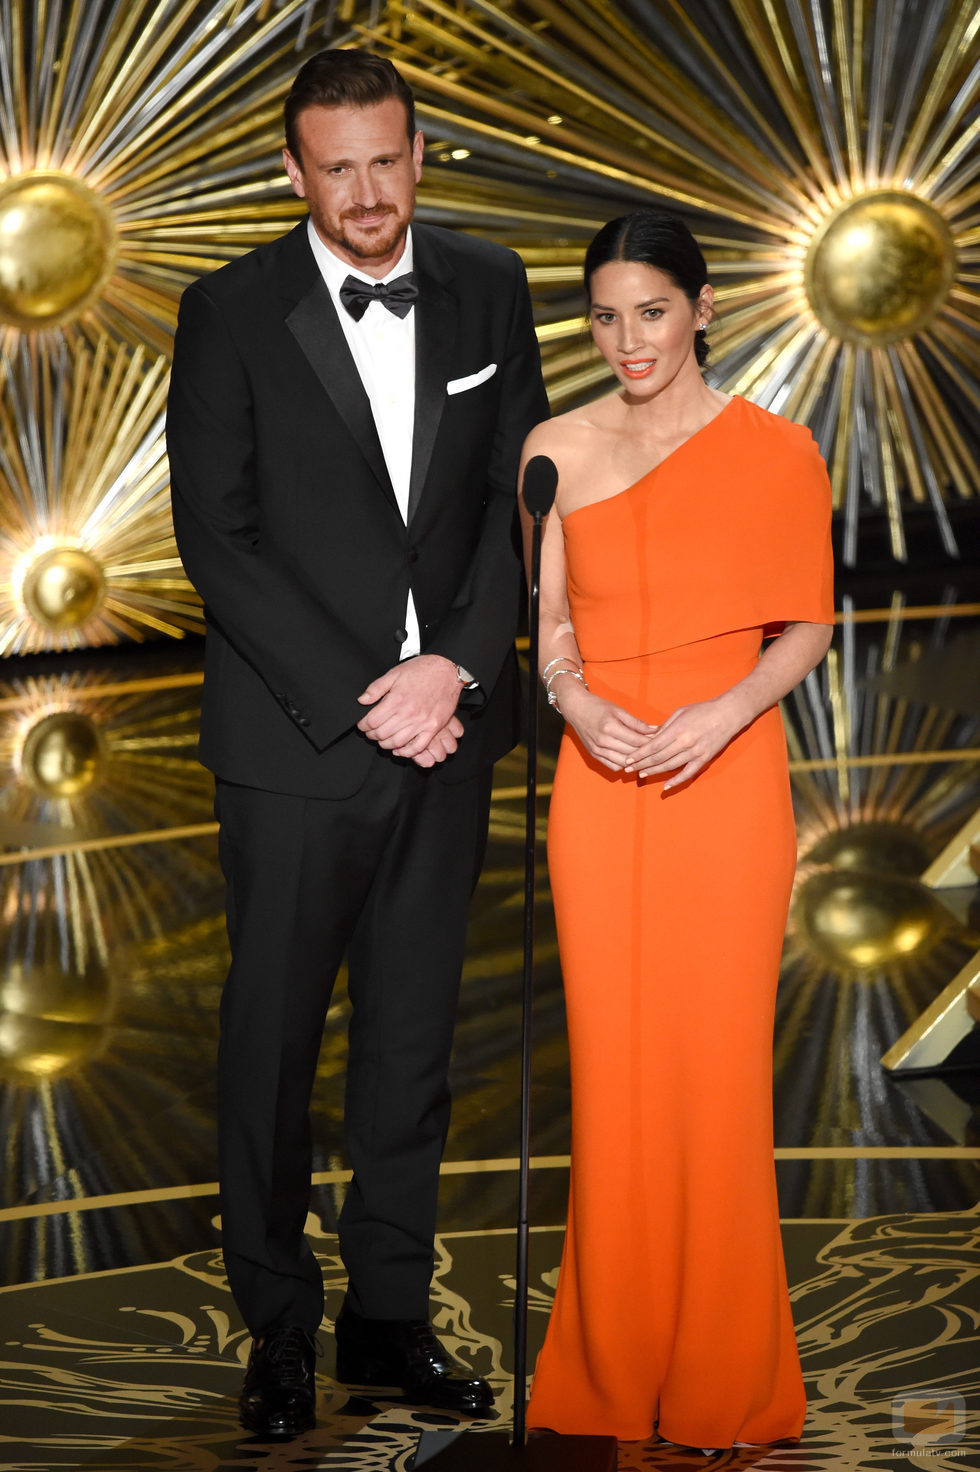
pixel 288 526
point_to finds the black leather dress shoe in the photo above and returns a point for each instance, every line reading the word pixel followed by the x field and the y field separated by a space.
pixel 278 1398
pixel 406 1354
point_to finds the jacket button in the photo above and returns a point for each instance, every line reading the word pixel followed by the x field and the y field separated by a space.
pixel 413 555
pixel 401 635
pixel 304 720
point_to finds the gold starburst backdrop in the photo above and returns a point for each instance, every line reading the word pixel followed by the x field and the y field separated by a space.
pixel 87 553
pixel 869 827
pixel 879 790
pixel 84 760
pixel 824 151
pixel 138 149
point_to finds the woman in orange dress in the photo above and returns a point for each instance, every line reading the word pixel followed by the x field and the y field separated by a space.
pixel 688 526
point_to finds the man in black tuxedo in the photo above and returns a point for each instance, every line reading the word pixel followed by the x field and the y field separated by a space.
pixel 346 413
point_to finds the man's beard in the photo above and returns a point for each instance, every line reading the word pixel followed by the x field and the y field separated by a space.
pixel 381 243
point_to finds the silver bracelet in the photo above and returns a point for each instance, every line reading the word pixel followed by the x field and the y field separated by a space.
pixel 552 697
pixel 559 659
pixel 576 670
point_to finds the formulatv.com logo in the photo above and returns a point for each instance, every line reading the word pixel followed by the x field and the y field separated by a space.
pixel 929 1418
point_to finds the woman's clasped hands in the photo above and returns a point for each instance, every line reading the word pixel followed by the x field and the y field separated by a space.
pixel 683 744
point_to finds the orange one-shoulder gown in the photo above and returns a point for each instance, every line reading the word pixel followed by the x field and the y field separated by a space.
pixel 672 1312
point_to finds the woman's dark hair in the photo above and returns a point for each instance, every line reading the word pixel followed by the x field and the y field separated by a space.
pixel 654 238
pixel 344 78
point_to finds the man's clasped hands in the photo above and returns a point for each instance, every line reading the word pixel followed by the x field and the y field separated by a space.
pixel 413 709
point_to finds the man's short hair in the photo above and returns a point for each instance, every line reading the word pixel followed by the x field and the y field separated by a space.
pixel 344 78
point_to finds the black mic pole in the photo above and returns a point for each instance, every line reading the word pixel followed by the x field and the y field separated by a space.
pixel 489 1451
pixel 527 1005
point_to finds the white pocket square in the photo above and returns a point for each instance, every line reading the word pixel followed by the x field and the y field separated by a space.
pixel 472 380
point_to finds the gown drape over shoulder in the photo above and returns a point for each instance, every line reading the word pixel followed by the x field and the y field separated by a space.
pixel 672 1310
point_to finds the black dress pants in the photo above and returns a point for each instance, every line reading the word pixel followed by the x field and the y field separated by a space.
pixel 385 876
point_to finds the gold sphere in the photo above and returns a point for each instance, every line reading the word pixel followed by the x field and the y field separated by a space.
pixel 879 267
pixel 63 588
pixel 859 921
pixel 57 248
pixel 61 755
pixel 51 1020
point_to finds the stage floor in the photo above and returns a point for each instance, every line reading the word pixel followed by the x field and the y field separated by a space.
pixel 120 1343
pixel 138 1369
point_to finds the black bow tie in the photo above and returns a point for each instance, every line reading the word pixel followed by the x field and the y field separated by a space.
pixel 398 295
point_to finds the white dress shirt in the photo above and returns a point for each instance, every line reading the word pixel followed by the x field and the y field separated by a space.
pixel 383 347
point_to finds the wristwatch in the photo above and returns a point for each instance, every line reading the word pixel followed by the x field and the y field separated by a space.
pixel 465 678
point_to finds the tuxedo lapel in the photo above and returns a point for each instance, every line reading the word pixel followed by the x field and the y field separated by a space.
pixel 436 313
pixel 314 324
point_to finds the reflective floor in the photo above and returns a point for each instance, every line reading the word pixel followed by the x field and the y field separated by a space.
pixel 121 1346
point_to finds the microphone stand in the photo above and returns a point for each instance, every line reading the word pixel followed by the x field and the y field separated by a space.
pixel 493 1451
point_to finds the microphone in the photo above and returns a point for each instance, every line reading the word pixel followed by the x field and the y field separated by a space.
pixel 540 484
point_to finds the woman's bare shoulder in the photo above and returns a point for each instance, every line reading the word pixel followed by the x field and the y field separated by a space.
pixel 551 434
pixel 564 435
